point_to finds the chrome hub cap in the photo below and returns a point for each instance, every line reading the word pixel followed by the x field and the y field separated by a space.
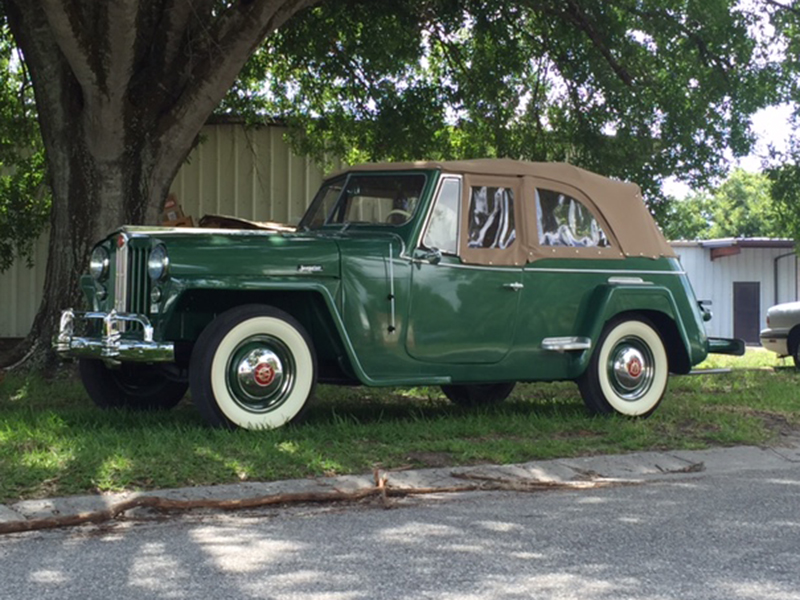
pixel 260 373
pixel 630 369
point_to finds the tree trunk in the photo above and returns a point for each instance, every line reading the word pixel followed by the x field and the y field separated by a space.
pixel 122 90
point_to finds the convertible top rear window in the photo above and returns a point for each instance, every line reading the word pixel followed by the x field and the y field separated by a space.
pixel 564 221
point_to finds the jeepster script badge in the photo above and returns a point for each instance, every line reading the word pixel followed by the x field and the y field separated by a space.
pixel 309 268
pixel 264 374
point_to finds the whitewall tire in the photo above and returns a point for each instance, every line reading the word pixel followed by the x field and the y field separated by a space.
pixel 629 370
pixel 253 367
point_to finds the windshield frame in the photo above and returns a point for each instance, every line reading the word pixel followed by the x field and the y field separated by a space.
pixel 335 212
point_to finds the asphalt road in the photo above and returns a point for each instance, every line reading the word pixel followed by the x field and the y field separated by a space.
pixel 706 537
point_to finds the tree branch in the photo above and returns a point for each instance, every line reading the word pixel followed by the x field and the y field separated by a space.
pixel 579 18
pixel 72 39
pixel 200 83
pixel 380 490
pixel 708 57
pixel 181 17
pixel 121 31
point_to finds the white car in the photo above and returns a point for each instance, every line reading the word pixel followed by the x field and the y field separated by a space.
pixel 782 334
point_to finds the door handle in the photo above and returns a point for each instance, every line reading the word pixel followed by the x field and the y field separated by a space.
pixel 514 287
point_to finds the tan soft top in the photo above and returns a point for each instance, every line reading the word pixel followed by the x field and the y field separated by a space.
pixel 620 203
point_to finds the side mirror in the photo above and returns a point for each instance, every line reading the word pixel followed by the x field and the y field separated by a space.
pixel 433 256
pixel 704 310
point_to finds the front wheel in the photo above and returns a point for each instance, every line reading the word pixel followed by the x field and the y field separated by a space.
pixel 252 367
pixel 628 371
pixel 134 386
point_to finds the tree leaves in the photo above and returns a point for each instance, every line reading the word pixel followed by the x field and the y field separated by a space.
pixel 636 89
pixel 24 199
pixel 740 207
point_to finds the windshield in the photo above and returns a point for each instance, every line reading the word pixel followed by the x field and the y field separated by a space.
pixel 365 199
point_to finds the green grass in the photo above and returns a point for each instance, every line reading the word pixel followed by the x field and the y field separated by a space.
pixel 53 441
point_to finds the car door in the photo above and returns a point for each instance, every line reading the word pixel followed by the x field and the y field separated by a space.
pixel 573 252
pixel 464 283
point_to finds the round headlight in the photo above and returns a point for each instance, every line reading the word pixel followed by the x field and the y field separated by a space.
pixel 98 263
pixel 157 263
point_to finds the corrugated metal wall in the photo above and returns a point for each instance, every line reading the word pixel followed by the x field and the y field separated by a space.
pixel 236 171
pixel 248 173
pixel 21 292
pixel 713 280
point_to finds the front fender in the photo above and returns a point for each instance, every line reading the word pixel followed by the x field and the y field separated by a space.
pixel 190 304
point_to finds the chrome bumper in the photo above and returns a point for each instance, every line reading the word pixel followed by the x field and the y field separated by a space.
pixel 775 341
pixel 111 346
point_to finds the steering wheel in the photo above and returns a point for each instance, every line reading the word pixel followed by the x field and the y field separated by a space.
pixel 397 212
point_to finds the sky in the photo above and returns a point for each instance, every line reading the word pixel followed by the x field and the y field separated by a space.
pixel 771 125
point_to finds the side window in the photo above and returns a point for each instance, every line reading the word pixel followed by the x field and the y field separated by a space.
pixel 564 221
pixel 443 227
pixel 491 217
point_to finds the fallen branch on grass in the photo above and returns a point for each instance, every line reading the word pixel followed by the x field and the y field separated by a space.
pixel 381 490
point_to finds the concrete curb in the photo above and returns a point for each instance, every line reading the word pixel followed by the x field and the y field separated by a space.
pixel 637 467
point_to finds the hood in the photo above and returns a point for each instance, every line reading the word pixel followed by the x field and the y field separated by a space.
pixel 230 252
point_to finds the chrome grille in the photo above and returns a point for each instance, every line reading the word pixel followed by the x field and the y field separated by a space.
pixel 121 275
pixel 138 281
pixel 131 282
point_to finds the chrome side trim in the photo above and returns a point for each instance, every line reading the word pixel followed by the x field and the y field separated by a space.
pixel 506 269
pixel 566 343
pixel 512 269
pixel 392 318
pixel 111 345
pixel 602 271
pixel 628 281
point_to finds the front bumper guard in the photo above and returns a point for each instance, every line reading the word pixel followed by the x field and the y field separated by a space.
pixel 112 346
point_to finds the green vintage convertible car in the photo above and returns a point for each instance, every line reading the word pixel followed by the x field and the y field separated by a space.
pixel 469 275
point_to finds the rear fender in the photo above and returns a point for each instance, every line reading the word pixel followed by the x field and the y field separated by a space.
pixel 657 304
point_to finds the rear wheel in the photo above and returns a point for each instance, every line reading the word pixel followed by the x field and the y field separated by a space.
pixel 628 371
pixel 135 386
pixel 252 367
pixel 478 394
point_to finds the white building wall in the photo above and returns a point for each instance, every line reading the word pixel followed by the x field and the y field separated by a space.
pixel 713 280
pixel 247 172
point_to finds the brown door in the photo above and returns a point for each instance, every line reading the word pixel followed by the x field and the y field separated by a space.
pixel 746 310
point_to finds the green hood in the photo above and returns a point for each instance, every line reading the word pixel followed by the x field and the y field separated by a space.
pixel 214 252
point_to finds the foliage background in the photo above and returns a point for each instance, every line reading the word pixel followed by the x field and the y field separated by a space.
pixel 636 89
pixel 24 197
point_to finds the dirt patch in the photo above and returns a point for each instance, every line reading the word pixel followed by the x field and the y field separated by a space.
pixel 778 423
pixel 775 422
pixel 431 459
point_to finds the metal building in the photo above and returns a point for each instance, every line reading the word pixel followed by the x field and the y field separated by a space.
pixel 742 278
